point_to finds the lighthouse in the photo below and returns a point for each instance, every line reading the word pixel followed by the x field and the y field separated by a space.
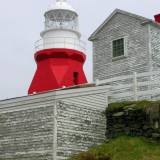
pixel 60 53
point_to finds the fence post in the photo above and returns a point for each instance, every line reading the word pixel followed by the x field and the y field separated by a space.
pixel 55 131
pixel 135 86
pixel 97 82
pixel 107 99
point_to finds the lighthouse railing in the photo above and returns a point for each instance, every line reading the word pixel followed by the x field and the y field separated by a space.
pixel 60 42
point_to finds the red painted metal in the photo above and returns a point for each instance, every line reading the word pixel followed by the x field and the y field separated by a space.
pixel 57 68
pixel 157 18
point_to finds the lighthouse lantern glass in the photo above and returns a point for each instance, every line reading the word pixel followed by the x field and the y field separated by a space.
pixel 61 19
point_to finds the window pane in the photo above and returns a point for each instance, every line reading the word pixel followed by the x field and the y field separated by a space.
pixel 118 47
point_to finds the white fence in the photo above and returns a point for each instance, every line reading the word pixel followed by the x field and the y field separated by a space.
pixel 138 86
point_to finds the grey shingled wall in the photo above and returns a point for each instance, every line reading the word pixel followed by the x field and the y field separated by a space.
pixel 81 124
pixel 28 130
pixel 136 35
pixel 26 134
pixel 155 46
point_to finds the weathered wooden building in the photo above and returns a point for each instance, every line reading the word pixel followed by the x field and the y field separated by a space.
pixel 125 43
pixel 53 125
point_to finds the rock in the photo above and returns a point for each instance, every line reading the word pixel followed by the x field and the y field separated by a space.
pixel 146 127
pixel 119 114
pixel 155 135
pixel 135 122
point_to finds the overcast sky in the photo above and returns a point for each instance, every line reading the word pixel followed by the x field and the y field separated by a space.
pixel 22 21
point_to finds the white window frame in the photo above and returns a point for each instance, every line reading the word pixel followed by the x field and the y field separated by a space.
pixel 125 48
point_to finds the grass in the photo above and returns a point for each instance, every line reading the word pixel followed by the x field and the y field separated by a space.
pixel 123 148
pixel 115 107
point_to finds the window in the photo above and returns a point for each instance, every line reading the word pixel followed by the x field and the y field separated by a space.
pixel 118 47
pixel 75 78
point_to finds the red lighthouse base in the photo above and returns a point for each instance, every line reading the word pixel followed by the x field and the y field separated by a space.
pixel 57 68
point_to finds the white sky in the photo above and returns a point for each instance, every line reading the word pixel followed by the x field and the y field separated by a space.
pixel 22 21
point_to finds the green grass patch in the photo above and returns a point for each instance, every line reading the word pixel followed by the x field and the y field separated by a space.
pixel 119 106
pixel 123 148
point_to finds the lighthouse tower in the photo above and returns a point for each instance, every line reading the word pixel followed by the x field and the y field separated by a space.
pixel 60 53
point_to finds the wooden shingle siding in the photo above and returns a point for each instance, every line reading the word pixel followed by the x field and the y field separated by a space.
pixel 26 134
pixel 137 59
pixel 52 125
pixel 155 47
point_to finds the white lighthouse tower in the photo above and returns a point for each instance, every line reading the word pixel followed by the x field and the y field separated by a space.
pixel 61 28
pixel 60 53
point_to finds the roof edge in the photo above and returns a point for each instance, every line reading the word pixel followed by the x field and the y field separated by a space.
pixel 92 37
pixel 151 22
